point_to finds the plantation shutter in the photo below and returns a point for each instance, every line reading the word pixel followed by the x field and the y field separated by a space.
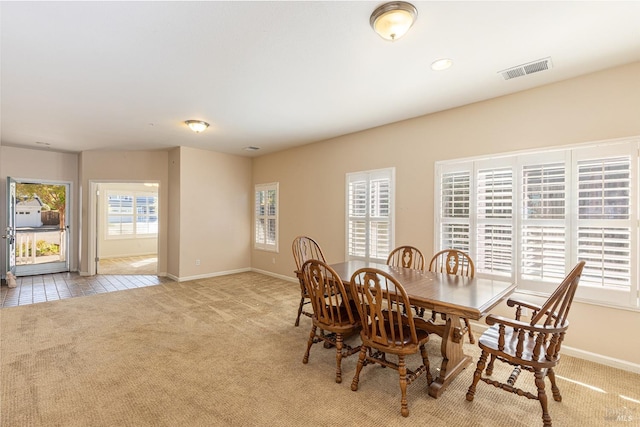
pixel 370 214
pixel 454 210
pixel 604 221
pixel 494 202
pixel 266 217
pixel 543 222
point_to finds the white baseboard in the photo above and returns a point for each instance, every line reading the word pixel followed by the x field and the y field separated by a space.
pixel 206 276
pixel 625 365
pixel 277 276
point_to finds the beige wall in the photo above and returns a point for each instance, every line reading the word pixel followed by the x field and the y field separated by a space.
pixel 214 224
pixel 124 166
pixel 39 165
pixel 594 107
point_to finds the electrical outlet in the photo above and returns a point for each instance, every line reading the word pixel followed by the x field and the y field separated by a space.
pixel 273 260
pixel 197 262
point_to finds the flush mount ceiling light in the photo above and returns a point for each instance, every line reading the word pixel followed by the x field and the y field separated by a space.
pixel 197 125
pixel 392 20
pixel 441 64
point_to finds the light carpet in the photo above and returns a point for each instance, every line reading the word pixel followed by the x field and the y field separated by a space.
pixel 224 352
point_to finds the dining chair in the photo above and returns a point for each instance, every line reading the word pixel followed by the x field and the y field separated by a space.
pixel 454 262
pixel 407 257
pixel 533 346
pixel 386 330
pixel 304 248
pixel 333 312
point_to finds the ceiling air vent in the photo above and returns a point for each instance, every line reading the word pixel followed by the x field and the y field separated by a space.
pixel 524 69
pixel 251 148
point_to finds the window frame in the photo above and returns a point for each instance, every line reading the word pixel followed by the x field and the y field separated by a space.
pixel 369 176
pixel 134 194
pixel 264 244
pixel 627 297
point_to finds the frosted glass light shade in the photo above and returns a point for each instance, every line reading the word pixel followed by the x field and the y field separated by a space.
pixel 392 20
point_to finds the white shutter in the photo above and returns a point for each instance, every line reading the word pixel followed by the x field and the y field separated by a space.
pixel 357 216
pixel 380 227
pixel 494 200
pixel 266 217
pixel 370 214
pixel 604 221
pixel 532 216
pixel 543 236
pixel 454 210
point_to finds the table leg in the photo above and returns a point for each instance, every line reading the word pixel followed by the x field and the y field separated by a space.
pixel 453 358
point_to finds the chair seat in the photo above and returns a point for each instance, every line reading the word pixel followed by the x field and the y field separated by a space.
pixel 404 346
pixel 489 342
pixel 340 326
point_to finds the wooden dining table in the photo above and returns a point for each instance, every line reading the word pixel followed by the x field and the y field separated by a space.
pixel 456 296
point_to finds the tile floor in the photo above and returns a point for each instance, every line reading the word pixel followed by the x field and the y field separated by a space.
pixel 51 287
pixel 116 274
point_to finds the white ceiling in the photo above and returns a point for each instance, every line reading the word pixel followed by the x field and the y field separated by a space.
pixel 125 75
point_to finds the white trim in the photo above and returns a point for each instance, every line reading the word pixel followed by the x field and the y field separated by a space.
pixel 603 142
pixel 208 275
pixel 277 276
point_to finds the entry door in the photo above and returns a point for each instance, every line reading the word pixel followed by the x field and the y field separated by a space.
pixel 10 232
pixel 41 227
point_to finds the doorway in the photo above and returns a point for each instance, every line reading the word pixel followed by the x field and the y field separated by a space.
pixel 126 227
pixel 40 220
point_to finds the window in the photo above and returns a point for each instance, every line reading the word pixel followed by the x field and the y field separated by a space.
pixel 530 217
pixel 132 214
pixel 266 217
pixel 370 214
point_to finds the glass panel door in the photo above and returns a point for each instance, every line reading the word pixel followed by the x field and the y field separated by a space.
pixel 41 228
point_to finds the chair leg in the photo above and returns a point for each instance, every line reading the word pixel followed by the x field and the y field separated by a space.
pixel 299 311
pixel 312 337
pixel 425 362
pixel 554 388
pixel 402 370
pixel 489 370
pixel 476 375
pixel 472 340
pixel 356 376
pixel 339 345
pixel 542 397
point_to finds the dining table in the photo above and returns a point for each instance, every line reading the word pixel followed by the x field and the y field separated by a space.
pixel 456 297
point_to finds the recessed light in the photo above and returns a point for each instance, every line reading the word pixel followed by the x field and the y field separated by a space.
pixel 251 148
pixel 441 64
pixel 43 143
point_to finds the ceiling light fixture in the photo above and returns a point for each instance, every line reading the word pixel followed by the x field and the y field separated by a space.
pixel 392 20
pixel 197 125
pixel 441 64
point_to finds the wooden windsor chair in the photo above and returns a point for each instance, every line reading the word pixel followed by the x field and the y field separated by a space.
pixel 386 329
pixel 333 312
pixel 454 262
pixel 304 248
pixel 533 346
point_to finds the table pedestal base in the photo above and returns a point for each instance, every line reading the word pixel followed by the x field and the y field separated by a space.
pixel 453 358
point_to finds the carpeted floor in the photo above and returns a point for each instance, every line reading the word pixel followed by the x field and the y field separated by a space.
pixel 224 352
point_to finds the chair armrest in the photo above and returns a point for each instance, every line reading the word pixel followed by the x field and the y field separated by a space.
pixel 529 305
pixel 517 324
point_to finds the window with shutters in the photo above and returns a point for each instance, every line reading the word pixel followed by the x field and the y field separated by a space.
pixel 131 214
pixel 266 217
pixel 370 214
pixel 530 217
